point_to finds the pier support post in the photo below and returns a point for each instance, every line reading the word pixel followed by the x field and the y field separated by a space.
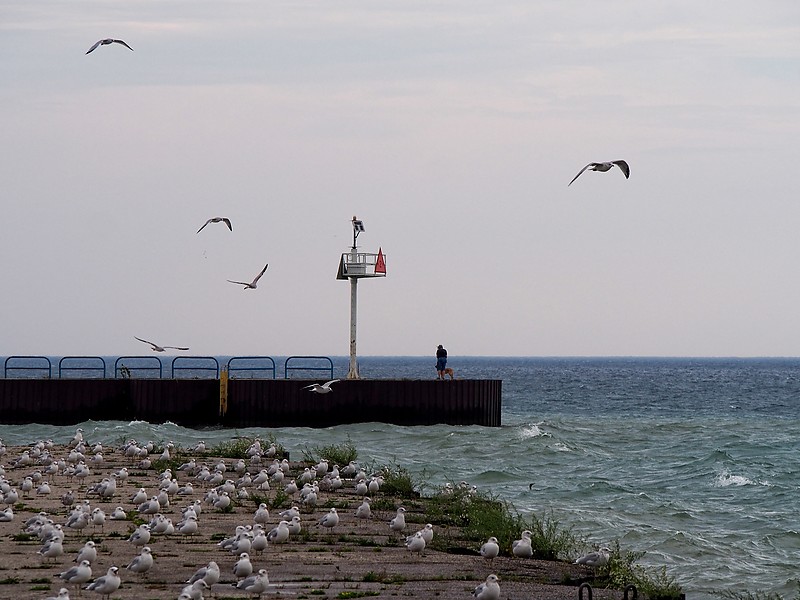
pixel 353 372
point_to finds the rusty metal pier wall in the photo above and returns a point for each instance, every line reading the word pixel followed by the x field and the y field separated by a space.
pixel 251 402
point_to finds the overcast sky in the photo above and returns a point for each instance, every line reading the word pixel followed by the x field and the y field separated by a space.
pixel 450 128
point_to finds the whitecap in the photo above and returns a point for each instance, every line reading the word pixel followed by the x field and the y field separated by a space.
pixel 726 478
pixel 532 431
pixel 131 424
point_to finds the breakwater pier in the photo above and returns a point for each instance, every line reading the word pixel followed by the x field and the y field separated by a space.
pixel 239 392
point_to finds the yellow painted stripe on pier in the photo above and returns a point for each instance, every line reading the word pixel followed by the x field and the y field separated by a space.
pixel 223 392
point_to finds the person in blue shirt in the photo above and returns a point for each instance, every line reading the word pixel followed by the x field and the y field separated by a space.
pixel 441 361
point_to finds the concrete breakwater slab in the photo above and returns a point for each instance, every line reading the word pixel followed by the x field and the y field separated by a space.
pixel 358 557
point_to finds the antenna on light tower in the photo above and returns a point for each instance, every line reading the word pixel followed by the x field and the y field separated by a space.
pixel 358 227
pixel 355 265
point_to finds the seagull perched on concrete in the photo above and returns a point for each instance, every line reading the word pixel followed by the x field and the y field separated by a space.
pixel 262 514
pixel 106 42
pixel 225 220
pixel 78 575
pixel 87 553
pixel 490 548
pixel 321 389
pixel 254 584
pixel 330 520
pixel 416 543
pixel 210 574
pixel 522 547
pixel 143 562
pixel 603 167
pixel 279 534
pixel 107 584
pixel 398 523
pixel 157 348
pixel 427 533
pixel 141 536
pixel 253 284
pixel 488 590
pixel 243 566
pixel 595 559
pixel 364 511
pixel 194 591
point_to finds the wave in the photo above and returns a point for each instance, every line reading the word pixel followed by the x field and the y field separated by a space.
pixel 533 431
pixel 726 479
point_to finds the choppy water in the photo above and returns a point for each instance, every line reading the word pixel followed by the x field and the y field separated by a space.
pixel 694 461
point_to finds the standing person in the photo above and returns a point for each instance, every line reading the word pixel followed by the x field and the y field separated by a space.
pixel 441 361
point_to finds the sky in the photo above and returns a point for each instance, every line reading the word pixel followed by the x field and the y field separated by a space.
pixel 450 128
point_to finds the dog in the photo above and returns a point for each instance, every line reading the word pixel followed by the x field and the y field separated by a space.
pixel 449 372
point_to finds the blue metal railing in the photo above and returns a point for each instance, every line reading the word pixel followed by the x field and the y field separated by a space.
pixel 151 367
pixel 232 369
pixel 195 365
pixel 82 366
pixel 287 369
pixel 131 369
pixel 28 367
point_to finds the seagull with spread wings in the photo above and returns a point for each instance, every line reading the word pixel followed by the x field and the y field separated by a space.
pixel 603 167
pixel 157 348
pixel 106 42
pixel 225 220
pixel 321 389
pixel 253 284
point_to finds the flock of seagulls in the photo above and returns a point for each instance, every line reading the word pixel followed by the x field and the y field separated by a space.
pixel 215 485
pixel 247 285
pixel 251 285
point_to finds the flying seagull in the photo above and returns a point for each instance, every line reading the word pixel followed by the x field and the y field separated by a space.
pixel 321 389
pixel 106 42
pixel 157 348
pixel 603 167
pixel 253 284
pixel 225 220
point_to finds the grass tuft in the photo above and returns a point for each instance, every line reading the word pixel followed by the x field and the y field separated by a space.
pixel 398 482
pixel 335 454
pixel 622 571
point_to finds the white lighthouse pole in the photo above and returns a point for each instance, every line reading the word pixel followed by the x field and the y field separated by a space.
pixel 353 372
pixel 358 227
